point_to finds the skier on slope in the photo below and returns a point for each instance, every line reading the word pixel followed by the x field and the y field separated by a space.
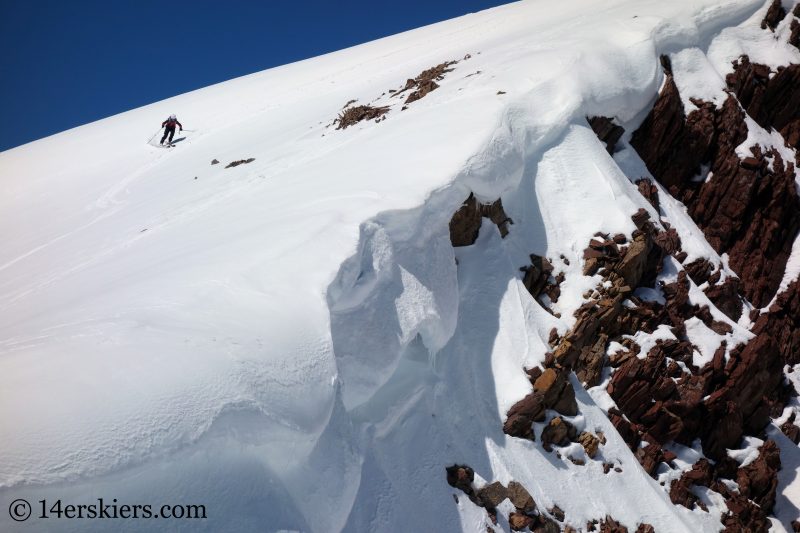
pixel 169 128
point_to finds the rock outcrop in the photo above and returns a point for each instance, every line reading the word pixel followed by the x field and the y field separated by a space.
pixel 782 323
pixel 606 131
pixel 558 432
pixel 774 15
pixel 526 515
pixel 660 401
pixel 425 82
pixel 770 98
pixel 750 209
pixel 551 390
pixel 466 221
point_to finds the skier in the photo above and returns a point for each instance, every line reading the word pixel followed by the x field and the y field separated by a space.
pixel 169 128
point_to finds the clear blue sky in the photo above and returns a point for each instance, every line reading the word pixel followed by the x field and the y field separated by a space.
pixel 64 63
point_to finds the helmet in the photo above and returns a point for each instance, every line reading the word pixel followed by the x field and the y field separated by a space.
pixel 172 117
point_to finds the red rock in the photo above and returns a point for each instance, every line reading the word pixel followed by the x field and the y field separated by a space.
pixel 782 323
pixel 701 473
pixel 699 270
pixel 758 481
pixel 522 415
pixel 558 432
pixel 742 514
pixel 492 495
pixel 680 493
pixel 721 328
pixel 590 361
pixel 520 498
pixel 461 477
pixel 751 163
pixel 566 403
pixel 519 521
pixel 650 457
pixel 609 525
pixel 557 513
pixel 466 222
pixel 742 211
pixel 757 91
pixel 626 430
pixel 669 241
pixel 790 429
pixel 537 274
pixel 648 189
pixel 606 131
pixel 774 15
pixel 726 297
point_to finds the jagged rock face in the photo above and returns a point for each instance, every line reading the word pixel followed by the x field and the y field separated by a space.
pixel 774 15
pixel 771 99
pixel 551 390
pixel 717 403
pixel 725 296
pixel 750 210
pixel 782 323
pixel 526 515
pixel 660 401
pixel 466 222
pixel 649 191
pixel 537 274
pixel 680 492
pixel 606 131
pixel 791 430
pixel 757 484
pixel 757 481
pixel 746 210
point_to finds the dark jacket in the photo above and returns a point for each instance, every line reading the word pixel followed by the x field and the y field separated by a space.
pixel 170 123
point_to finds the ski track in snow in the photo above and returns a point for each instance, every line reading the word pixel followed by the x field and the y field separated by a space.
pixel 292 342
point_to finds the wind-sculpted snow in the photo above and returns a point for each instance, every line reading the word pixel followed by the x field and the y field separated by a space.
pixel 294 342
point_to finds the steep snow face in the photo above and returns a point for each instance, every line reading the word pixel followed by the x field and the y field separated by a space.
pixel 290 341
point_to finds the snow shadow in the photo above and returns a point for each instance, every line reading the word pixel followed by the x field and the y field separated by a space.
pixel 419 338
pixel 224 471
pixel 788 478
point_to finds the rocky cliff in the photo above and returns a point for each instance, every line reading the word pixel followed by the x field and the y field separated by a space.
pixel 743 195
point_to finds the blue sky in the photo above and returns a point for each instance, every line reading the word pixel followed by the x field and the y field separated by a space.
pixel 69 62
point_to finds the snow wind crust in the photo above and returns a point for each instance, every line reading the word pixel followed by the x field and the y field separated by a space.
pixel 353 353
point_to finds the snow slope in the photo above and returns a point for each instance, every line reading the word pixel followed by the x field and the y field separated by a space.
pixel 290 342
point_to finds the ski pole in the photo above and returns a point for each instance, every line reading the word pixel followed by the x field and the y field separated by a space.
pixel 154 135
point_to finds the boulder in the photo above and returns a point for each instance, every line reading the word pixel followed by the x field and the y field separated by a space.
pixel 520 497
pixel 558 432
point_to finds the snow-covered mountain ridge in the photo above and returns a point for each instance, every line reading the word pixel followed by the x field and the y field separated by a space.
pixel 296 342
